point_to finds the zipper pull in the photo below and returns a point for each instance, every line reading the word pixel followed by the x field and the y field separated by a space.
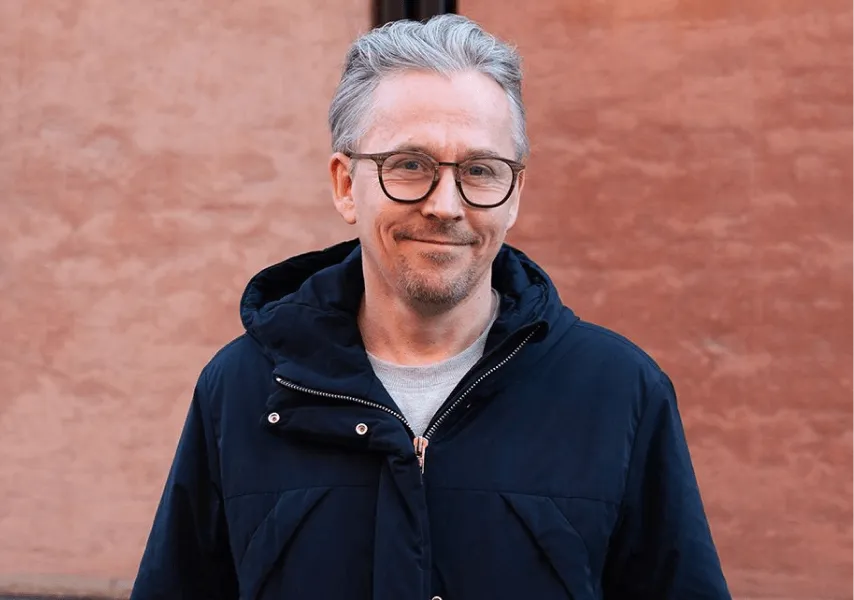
pixel 420 444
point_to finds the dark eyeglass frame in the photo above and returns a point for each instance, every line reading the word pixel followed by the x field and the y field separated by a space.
pixel 380 157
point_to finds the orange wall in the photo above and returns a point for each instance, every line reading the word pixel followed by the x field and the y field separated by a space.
pixel 154 155
pixel 689 187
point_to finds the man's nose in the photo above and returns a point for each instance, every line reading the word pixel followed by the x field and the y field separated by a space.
pixel 444 202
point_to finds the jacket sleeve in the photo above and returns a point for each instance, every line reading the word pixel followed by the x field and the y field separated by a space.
pixel 187 555
pixel 662 548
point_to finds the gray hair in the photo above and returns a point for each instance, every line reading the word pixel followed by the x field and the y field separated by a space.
pixel 444 44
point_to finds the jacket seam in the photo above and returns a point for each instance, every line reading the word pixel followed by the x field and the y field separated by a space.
pixel 529 494
pixel 210 429
pixel 438 489
pixel 572 527
pixel 633 452
pixel 294 489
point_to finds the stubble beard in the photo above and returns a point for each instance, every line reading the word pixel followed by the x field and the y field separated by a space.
pixel 436 292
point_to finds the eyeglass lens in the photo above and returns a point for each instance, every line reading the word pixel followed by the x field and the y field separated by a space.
pixel 484 181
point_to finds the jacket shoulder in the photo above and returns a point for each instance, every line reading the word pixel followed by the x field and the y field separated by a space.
pixel 233 372
pixel 599 347
pixel 240 353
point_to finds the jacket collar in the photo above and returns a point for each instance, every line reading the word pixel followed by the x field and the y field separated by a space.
pixel 302 312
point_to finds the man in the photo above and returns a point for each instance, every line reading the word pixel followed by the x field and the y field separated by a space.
pixel 415 414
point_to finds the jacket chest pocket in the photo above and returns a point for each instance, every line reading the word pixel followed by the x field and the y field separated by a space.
pixel 557 540
pixel 268 542
pixel 304 544
pixel 491 544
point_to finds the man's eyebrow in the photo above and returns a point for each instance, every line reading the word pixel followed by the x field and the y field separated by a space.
pixel 480 153
pixel 471 152
pixel 409 147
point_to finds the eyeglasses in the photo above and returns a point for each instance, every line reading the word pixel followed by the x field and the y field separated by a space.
pixel 483 182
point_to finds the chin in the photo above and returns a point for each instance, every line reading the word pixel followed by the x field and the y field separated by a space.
pixel 435 297
pixel 434 291
pixel 439 257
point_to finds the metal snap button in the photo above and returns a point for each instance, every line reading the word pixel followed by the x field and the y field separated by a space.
pixel 273 418
pixel 361 429
pixel 436 598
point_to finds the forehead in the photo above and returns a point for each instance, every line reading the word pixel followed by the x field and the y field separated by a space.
pixel 449 114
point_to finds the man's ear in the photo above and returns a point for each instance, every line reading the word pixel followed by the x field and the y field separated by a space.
pixel 342 187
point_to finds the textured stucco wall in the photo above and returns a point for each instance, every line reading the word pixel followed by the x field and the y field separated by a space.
pixel 153 155
pixel 691 187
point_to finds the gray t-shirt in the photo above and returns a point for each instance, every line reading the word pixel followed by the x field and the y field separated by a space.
pixel 420 390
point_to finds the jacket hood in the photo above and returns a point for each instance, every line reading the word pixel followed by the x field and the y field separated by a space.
pixel 302 311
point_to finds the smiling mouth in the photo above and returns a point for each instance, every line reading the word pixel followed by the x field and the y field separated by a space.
pixel 441 242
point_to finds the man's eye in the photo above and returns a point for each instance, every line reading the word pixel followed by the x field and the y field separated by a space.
pixel 479 170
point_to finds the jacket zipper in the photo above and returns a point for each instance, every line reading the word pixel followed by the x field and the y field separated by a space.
pixel 420 443
pixel 431 431
pixel 299 388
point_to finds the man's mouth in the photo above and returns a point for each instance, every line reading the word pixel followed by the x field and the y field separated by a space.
pixel 439 242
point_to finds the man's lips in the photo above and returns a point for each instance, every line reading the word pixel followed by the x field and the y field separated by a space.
pixel 439 242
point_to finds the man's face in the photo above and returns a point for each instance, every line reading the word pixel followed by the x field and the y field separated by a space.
pixel 437 251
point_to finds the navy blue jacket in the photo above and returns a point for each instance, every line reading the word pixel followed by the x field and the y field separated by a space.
pixel 557 469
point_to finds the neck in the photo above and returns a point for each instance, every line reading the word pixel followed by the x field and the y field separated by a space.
pixel 398 332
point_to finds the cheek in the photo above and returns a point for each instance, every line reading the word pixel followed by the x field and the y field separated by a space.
pixel 493 228
pixel 366 182
pixel 374 221
pixel 366 204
